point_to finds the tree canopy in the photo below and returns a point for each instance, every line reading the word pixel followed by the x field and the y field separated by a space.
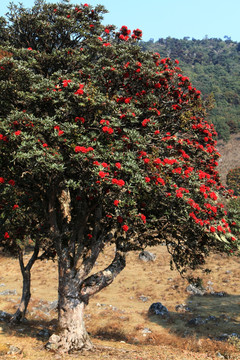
pixel 102 143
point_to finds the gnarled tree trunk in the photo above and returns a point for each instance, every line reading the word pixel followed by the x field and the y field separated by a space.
pixel 72 334
pixel 74 294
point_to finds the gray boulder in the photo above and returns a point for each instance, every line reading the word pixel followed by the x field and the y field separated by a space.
pixel 158 309
pixel 147 256
pixel 194 290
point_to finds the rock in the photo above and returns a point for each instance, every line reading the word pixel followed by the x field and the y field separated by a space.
pixel 220 356
pixel 220 293
pixel 146 256
pixel 146 331
pixel 53 342
pixel 9 292
pixel 158 309
pixel 143 298
pixel 194 290
pixel 196 321
pixel 182 308
pixel 44 333
pixel 2 285
pixel 3 315
pixel 223 337
pixel 14 350
pixel 212 318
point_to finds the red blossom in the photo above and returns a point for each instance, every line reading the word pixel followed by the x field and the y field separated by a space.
pixel 83 149
pixel 125 228
pixel 116 202
pixel 11 182
pixel 102 174
pixel 119 219
pixel 118 165
pixel 118 182
pixel 2 181
pixel 144 122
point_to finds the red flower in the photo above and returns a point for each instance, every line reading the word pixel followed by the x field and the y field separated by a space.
pixel 144 122
pixel 119 219
pixel 45 145
pixel 104 164
pixel 2 181
pixel 102 174
pixel 11 182
pixel 147 179
pixel 107 129
pixel 17 132
pixel 118 165
pixel 125 228
pixel 179 193
pixel 116 202
pixel 161 181
pixel 79 92
pixel 66 82
pixel 143 217
pixel 82 149
pixel 15 206
pixel 118 182
pixel 6 235
pixel 212 229
pixel 80 119
pixel 89 236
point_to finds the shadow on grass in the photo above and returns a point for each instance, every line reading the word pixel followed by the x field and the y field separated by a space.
pixel 39 329
pixel 209 316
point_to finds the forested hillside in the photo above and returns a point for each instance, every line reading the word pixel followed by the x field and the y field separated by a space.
pixel 213 65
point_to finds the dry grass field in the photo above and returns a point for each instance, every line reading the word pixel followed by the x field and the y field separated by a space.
pixel 117 318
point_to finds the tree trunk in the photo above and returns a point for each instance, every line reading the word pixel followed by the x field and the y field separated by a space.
pixel 72 335
pixel 19 316
pixel 73 295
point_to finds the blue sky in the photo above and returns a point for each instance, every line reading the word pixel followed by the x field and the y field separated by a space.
pixel 174 18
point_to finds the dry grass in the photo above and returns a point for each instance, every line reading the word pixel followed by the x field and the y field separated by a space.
pixel 117 317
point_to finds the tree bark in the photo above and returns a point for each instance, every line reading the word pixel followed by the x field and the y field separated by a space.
pixel 72 334
pixel 19 315
pixel 73 296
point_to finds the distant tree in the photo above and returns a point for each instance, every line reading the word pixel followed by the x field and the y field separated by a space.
pixel 107 145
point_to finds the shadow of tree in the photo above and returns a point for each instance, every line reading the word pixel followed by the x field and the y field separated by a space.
pixel 40 329
pixel 209 316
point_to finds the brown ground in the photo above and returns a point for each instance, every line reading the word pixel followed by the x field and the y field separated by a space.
pixel 117 316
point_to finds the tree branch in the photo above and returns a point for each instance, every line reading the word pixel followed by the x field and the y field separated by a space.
pixel 96 282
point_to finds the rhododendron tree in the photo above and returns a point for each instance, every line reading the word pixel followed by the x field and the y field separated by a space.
pixel 108 146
